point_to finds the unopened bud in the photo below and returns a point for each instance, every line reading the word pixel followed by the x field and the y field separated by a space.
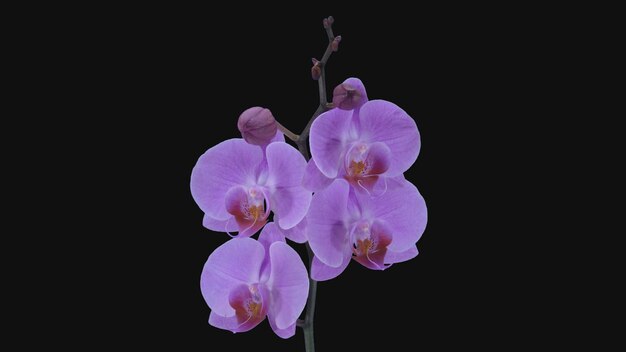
pixel 326 23
pixel 316 71
pixel 335 43
pixel 257 125
pixel 350 94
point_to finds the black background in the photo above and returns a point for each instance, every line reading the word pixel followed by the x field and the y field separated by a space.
pixel 181 81
pixel 114 104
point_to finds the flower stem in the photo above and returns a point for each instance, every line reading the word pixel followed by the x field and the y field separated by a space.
pixel 294 137
pixel 307 328
pixel 324 106
pixel 302 141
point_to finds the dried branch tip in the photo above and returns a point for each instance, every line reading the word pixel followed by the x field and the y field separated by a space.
pixel 335 43
pixel 328 22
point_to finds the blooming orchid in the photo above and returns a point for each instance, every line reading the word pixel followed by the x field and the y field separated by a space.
pixel 375 232
pixel 236 184
pixel 362 209
pixel 366 145
pixel 244 280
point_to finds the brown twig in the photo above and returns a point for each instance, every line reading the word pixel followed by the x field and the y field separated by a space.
pixel 323 105
pixel 294 137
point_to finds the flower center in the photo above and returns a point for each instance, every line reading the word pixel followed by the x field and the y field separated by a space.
pixel 253 207
pixel 365 163
pixel 256 212
pixel 370 242
pixel 362 247
pixel 357 164
pixel 356 168
pixel 254 304
pixel 247 302
pixel 363 242
pixel 248 208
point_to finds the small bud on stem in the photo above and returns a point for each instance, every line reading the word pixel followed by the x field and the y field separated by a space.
pixel 257 125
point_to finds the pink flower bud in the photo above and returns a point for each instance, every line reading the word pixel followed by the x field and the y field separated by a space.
pixel 316 71
pixel 257 126
pixel 350 94
pixel 335 43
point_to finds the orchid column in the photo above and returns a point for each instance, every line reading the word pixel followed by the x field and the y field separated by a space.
pixel 346 200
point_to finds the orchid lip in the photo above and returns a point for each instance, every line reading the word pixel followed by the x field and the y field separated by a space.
pixel 249 207
pixel 249 305
pixel 364 164
pixel 370 242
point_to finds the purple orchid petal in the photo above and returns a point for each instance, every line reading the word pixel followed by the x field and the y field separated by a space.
pixel 314 180
pixel 396 181
pixel 382 121
pixel 270 234
pixel 323 272
pixel 329 135
pixel 225 323
pixel 279 137
pixel 234 263
pixel 290 201
pixel 327 233
pixel 398 257
pixel 288 284
pixel 228 164
pixel 228 225
pixel 282 333
pixel 403 209
pixel 296 233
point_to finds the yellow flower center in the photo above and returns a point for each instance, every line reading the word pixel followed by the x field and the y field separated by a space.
pixel 357 168
pixel 256 211
pixel 363 246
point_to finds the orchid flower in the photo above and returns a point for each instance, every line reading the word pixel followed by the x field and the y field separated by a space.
pixel 366 145
pixel 236 184
pixel 363 208
pixel 376 232
pixel 244 281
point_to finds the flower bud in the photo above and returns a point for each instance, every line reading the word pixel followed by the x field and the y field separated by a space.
pixel 316 71
pixel 335 43
pixel 350 94
pixel 257 125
